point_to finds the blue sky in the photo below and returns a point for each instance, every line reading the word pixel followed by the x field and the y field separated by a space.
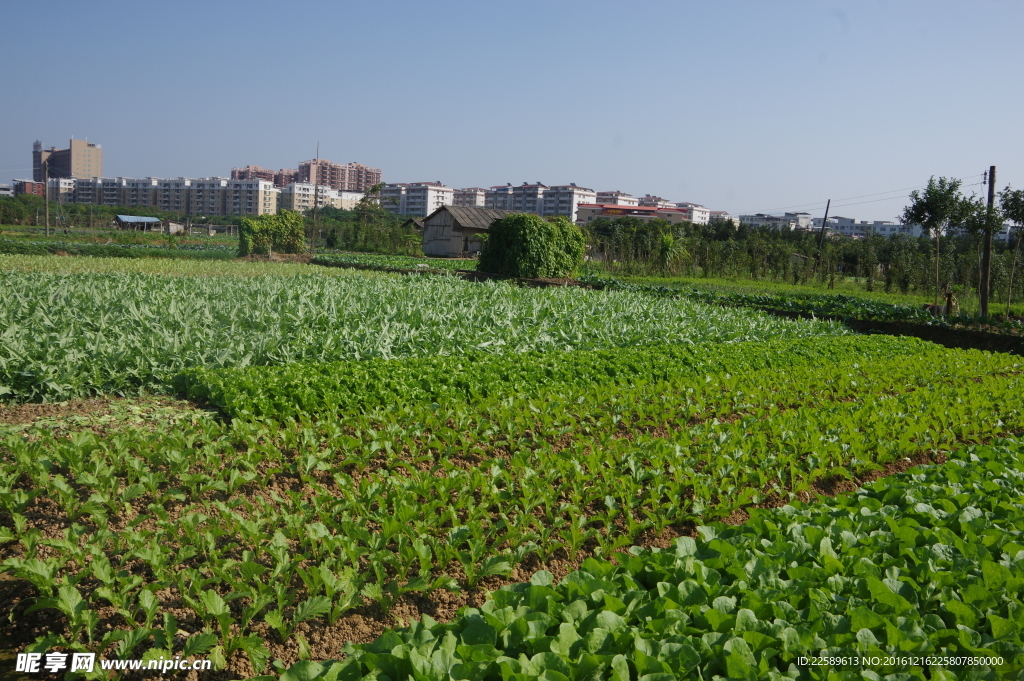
pixel 738 105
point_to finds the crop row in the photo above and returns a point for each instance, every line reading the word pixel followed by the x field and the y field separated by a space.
pixel 162 266
pixel 234 535
pixel 68 336
pixel 316 390
pixel 392 261
pixel 20 247
pixel 929 564
pixel 822 304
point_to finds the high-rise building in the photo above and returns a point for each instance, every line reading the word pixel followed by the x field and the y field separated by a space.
pixel 252 173
pixel 285 177
pixel 539 198
pixel 499 197
pixel 349 177
pixel 418 199
pixel 565 199
pixel 474 197
pixel 80 159
pixel 206 196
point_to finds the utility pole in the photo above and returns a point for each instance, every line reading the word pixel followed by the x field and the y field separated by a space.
pixel 46 193
pixel 821 235
pixel 986 253
pixel 824 221
pixel 316 200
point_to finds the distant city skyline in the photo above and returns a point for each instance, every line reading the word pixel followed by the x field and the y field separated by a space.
pixel 745 107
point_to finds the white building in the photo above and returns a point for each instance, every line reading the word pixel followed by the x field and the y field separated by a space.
pixel 61 189
pixel 616 198
pixel 472 197
pixel 565 200
pixel 499 197
pixel 206 196
pixel 348 200
pixel 6 190
pixel 695 213
pixel 418 199
pixel 529 198
pixel 788 221
pixel 861 228
pixel 301 196
pixel 655 202
pixel 724 216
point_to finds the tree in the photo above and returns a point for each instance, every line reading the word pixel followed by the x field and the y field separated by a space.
pixel 1011 203
pixel 981 220
pixel 940 206
pixel 284 233
pixel 527 245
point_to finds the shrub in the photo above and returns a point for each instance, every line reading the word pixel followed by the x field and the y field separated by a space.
pixel 284 233
pixel 526 245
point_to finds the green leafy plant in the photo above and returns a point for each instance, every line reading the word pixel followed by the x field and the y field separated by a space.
pixel 526 245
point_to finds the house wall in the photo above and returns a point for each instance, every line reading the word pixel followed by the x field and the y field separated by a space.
pixel 443 238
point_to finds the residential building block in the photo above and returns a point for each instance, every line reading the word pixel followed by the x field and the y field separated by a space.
pixel 80 159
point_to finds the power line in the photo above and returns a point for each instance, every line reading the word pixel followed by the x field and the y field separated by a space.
pixel 848 198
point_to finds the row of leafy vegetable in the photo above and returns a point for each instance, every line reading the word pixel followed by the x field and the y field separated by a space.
pixel 420 496
pixel 66 336
pixel 929 564
pixel 400 262
pixel 821 304
pixel 21 247
pixel 301 390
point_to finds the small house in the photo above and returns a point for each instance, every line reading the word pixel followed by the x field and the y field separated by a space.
pixel 138 222
pixel 454 231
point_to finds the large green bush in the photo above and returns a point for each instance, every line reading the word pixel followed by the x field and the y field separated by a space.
pixel 261 235
pixel 526 245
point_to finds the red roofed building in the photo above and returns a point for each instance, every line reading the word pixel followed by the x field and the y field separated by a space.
pixel 588 212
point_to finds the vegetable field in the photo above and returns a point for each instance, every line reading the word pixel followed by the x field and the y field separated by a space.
pixel 67 336
pixel 424 478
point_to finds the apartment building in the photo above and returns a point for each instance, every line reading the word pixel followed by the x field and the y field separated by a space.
pixel 721 215
pixel 655 202
pixel 285 177
pixel 616 198
pixel 29 187
pixel 861 228
pixel 472 197
pixel 206 196
pixel 80 159
pixel 695 213
pixel 301 196
pixel 60 189
pixel 539 198
pixel 788 221
pixel 499 197
pixel 529 198
pixel 6 190
pixel 253 173
pixel 566 199
pixel 417 199
pixel 348 177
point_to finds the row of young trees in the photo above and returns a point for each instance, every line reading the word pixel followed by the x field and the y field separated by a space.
pixel 949 253
pixel 368 227
pixel 28 209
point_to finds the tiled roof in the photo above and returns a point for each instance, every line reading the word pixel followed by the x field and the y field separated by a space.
pixel 473 217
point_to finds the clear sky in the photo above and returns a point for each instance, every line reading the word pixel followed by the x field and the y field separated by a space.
pixel 739 105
